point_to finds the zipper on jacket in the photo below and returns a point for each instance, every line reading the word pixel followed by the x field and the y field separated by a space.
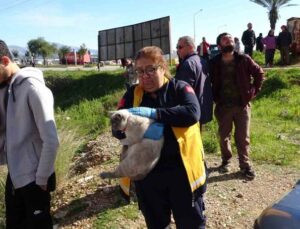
pixel 193 199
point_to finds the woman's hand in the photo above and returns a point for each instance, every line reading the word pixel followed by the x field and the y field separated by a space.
pixel 144 112
pixel 155 131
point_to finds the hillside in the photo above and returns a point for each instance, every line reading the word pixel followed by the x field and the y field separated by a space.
pixel 83 200
pixel 86 201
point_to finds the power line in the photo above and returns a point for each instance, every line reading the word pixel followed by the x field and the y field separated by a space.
pixel 15 5
pixel 24 2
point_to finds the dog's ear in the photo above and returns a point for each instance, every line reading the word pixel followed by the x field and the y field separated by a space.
pixel 116 119
pixel 111 113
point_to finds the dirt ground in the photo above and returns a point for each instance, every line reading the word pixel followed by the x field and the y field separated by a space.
pixel 231 201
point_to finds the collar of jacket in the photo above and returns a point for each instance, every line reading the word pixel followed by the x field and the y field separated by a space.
pixel 139 92
pixel 237 57
pixel 188 56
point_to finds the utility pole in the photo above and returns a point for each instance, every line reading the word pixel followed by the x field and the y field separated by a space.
pixel 195 23
pixel 75 57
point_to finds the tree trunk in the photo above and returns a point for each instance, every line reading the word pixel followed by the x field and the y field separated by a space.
pixel 273 25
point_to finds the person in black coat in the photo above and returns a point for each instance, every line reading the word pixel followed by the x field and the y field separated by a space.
pixel 248 40
pixel 284 42
pixel 259 44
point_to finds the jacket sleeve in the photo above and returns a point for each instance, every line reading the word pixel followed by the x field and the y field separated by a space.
pixel 187 73
pixel 213 66
pixel 41 104
pixel 187 110
pixel 258 75
pixel 254 38
pixel 2 126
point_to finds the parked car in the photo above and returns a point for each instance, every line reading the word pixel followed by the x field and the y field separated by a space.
pixel 284 214
pixel 214 50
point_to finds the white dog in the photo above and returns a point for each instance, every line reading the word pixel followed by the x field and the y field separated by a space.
pixel 139 155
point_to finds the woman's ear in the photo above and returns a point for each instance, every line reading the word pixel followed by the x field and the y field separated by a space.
pixel 5 60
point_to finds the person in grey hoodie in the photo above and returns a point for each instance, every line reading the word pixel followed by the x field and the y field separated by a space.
pixel 28 143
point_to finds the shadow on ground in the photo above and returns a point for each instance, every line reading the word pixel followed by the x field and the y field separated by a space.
pixel 88 206
pixel 214 175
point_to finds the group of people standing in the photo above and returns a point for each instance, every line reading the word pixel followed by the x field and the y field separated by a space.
pixel 180 104
pixel 268 44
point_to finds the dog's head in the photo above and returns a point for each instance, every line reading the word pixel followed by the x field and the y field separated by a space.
pixel 118 119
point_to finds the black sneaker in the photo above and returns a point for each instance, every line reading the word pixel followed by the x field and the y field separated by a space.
pixel 249 173
pixel 224 167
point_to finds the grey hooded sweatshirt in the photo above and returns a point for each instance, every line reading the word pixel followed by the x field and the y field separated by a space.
pixel 28 138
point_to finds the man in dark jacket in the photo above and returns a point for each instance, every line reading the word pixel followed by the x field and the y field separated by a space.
pixel 249 39
pixel 259 44
pixel 284 42
pixel 193 71
pixel 236 79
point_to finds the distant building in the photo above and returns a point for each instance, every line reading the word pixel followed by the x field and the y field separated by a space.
pixel 293 24
pixel 94 58
pixel 70 58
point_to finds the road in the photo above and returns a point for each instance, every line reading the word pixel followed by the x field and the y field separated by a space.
pixel 76 68
pixel 116 67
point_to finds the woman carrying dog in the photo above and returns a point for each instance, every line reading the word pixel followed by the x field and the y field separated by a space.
pixel 177 183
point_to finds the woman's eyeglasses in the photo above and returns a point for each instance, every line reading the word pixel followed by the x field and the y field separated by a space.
pixel 179 47
pixel 149 70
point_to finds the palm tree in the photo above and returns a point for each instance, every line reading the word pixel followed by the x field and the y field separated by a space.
pixel 273 8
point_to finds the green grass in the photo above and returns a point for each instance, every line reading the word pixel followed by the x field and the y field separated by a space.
pixel 259 57
pixel 2 206
pixel 275 129
pixel 275 134
pixel 82 100
pixel 275 122
pixel 113 218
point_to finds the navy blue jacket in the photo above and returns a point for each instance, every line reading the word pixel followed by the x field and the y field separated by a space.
pixel 177 106
pixel 193 72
